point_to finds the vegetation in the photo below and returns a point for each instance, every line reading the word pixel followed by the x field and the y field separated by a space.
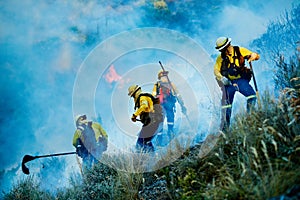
pixel 173 14
pixel 280 37
pixel 258 158
pixel 27 189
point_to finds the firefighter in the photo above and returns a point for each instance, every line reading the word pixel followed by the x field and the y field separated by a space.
pixel 232 75
pixel 149 111
pixel 168 95
pixel 90 140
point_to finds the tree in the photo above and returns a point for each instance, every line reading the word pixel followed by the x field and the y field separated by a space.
pixel 281 36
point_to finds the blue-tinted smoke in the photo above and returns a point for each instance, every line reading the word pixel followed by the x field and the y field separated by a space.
pixel 43 43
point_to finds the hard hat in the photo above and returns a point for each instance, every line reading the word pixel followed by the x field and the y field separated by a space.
pixel 162 73
pixel 133 89
pixel 222 42
pixel 79 118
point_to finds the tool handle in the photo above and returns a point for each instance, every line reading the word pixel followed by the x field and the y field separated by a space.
pixel 55 154
pixel 168 79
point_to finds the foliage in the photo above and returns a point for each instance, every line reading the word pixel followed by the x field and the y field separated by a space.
pixel 286 71
pixel 178 15
pixel 97 183
pixel 281 35
pixel 27 189
pixel 258 158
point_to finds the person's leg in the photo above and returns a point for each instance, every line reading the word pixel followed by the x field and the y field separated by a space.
pixel 226 102
pixel 161 136
pixel 146 134
pixel 139 144
pixel 160 139
pixel 87 161
pixel 93 160
pixel 246 89
pixel 155 127
pixel 170 120
pixel 148 146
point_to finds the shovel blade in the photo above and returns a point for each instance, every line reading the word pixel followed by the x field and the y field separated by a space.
pixel 26 159
pixel 25 170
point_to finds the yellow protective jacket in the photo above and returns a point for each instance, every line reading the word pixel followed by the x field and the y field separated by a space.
pixel 146 105
pixel 217 68
pixel 98 130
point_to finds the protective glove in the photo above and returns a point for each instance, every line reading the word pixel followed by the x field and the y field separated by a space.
pixel 78 148
pixel 253 56
pixel 102 145
pixel 101 139
pixel 225 81
pixel 133 118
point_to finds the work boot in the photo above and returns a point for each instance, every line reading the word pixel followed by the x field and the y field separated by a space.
pixel 251 104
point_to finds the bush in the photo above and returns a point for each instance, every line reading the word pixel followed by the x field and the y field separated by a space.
pixel 27 189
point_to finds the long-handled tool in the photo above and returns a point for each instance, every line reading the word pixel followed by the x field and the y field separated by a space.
pixel 179 101
pixel 28 158
pixel 255 85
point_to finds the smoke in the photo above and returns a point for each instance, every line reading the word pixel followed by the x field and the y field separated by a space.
pixel 243 21
pixel 44 43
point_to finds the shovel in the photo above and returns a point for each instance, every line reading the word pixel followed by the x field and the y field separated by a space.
pixel 28 158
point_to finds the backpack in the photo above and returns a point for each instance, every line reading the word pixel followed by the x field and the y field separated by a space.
pixel 89 139
pixel 164 92
pixel 146 117
pixel 234 70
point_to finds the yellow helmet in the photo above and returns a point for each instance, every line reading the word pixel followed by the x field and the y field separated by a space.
pixel 79 118
pixel 222 42
pixel 162 73
pixel 133 89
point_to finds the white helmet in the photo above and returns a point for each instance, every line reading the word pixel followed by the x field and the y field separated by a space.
pixel 222 42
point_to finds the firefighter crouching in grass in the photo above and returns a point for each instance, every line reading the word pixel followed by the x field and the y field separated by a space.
pixel 90 140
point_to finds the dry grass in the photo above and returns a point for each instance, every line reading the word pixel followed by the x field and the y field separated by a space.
pixel 258 158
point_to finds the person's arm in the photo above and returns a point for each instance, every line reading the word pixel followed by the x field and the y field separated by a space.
pixel 251 56
pixel 76 136
pixel 217 68
pixel 179 98
pixel 175 91
pixel 154 90
pixel 101 136
pixel 101 131
pixel 217 71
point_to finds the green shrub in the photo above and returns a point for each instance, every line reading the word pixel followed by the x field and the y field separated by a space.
pixel 27 189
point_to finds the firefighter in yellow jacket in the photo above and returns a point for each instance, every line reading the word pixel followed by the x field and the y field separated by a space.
pixel 90 140
pixel 150 113
pixel 232 75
